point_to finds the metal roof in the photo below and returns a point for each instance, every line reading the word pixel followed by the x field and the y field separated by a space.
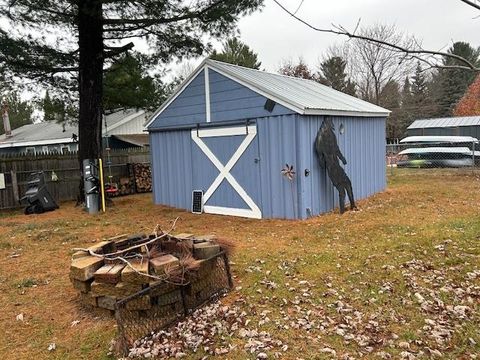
pixel 51 132
pixel 439 139
pixel 446 122
pixel 306 97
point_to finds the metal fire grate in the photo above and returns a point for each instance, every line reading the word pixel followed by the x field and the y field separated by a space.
pixel 163 304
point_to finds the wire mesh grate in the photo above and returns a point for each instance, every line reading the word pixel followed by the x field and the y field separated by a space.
pixel 162 304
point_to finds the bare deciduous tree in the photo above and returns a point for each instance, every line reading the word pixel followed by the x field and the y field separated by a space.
pixel 413 49
pixel 372 66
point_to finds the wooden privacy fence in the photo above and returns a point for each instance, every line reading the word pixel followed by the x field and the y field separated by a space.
pixel 62 173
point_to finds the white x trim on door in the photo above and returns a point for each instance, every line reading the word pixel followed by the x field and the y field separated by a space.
pixel 254 211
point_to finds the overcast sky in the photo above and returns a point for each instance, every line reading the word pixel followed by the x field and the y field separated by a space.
pixel 274 35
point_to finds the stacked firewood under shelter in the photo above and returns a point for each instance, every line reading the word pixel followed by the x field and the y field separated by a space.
pixel 137 179
pixel 143 177
pixel 150 281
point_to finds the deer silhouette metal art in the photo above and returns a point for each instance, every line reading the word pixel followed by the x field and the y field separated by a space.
pixel 328 154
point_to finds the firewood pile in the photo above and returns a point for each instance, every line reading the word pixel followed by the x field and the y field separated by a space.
pixel 126 186
pixel 124 265
pixel 143 177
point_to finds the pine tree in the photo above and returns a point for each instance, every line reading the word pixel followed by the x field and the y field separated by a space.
pixel 59 109
pixel 19 112
pixel 390 99
pixel 420 103
pixel 407 112
pixel 236 52
pixel 67 43
pixel 335 76
pixel 128 85
pixel 449 85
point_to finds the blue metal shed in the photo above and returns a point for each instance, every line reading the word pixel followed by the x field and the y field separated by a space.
pixel 228 131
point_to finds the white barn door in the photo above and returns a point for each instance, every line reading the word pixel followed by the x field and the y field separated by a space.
pixel 225 148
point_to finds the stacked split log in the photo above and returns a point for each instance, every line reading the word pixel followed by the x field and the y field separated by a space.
pixel 114 269
pixel 127 186
pixel 143 177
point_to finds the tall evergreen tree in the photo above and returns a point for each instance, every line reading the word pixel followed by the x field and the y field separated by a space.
pixel 236 52
pixel 58 109
pixel 19 112
pixel 84 34
pixel 333 74
pixel 407 112
pixel 449 85
pixel 420 103
pixel 128 85
pixel 390 99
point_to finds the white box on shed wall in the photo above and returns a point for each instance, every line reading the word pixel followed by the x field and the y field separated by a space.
pixel 2 181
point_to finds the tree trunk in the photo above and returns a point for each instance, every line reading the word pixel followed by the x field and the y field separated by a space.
pixel 90 41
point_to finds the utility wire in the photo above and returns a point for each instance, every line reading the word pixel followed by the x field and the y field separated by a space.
pixel 299 6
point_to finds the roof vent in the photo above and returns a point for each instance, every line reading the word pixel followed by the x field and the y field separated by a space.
pixel 269 105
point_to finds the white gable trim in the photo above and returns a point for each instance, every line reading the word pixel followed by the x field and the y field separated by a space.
pixel 207 95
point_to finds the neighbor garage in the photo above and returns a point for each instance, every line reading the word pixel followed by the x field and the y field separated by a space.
pixel 451 126
pixel 228 131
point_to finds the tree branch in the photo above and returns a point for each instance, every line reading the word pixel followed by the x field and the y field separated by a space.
pixel 160 21
pixel 471 3
pixel 112 51
pixel 340 30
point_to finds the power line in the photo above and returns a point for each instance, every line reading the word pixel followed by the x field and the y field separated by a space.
pixel 299 6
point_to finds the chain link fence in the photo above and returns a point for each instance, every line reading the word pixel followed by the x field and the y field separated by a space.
pixel 432 156
pixel 162 304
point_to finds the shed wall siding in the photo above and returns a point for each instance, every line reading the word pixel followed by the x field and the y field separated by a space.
pixel 362 144
pixel 278 142
pixel 287 139
pixel 258 171
pixel 172 168
pixel 187 108
pixel 231 101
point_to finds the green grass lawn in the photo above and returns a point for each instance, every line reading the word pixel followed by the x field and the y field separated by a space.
pixel 397 279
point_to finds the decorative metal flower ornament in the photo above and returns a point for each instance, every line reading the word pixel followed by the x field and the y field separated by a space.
pixel 288 172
